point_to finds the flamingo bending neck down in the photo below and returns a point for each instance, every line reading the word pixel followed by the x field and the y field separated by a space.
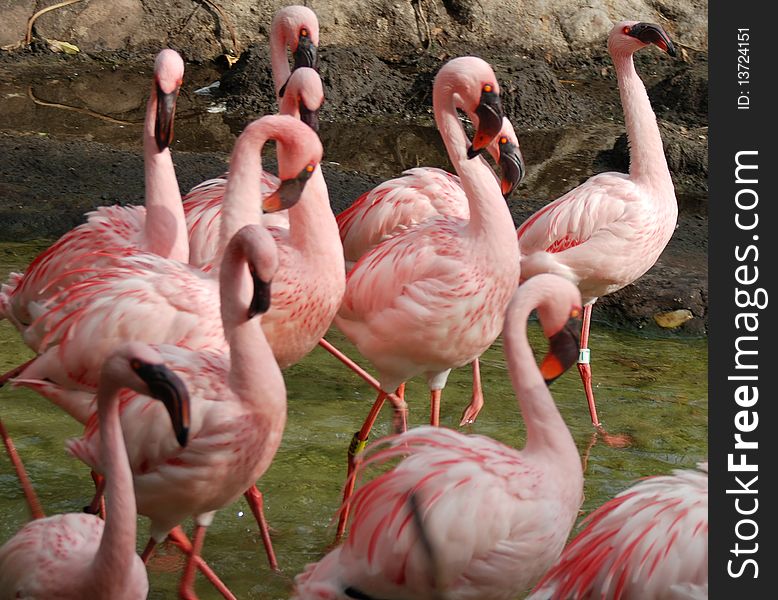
pixel 238 406
pixel 76 555
pixel 434 297
pixel 159 227
pixel 610 230
pixel 492 519
pixel 162 301
pixel 649 542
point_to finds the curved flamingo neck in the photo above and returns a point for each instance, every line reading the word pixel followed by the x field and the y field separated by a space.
pixel 165 229
pixel 117 546
pixel 313 230
pixel 243 194
pixel 647 161
pixel 546 430
pixel 249 349
pixel 279 62
pixel 488 211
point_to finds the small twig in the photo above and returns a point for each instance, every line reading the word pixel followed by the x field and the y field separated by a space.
pixel 77 109
pixel 228 23
pixel 43 11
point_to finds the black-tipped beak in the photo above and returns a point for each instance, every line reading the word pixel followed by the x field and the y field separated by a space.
pixel 511 167
pixel 562 351
pixel 260 301
pixel 306 55
pixel 166 112
pixel 648 33
pixel 309 117
pixel 287 194
pixel 167 387
pixel 489 113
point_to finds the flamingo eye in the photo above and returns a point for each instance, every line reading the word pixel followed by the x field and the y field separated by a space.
pixel 575 313
pixel 627 29
pixel 135 364
pixel 503 140
pixel 310 168
pixel 303 32
pixel 488 88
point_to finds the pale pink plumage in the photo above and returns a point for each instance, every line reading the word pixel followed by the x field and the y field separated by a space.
pixel 434 296
pixel 79 253
pixel 75 556
pixel 238 407
pixel 397 204
pixel 148 298
pixel 650 543
pixel 610 230
pixel 495 517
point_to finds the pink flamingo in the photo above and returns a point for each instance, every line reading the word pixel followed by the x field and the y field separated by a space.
pixel 162 301
pixel 79 253
pixel 420 194
pixel 491 519
pixel 203 204
pixel 81 556
pixel 649 542
pixel 434 297
pixel 609 231
pixel 238 406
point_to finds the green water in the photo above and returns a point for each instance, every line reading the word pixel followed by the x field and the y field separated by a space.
pixel 653 390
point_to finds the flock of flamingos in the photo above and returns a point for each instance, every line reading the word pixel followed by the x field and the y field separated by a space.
pixel 164 329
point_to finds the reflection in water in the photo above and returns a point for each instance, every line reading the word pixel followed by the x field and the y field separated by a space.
pixel 653 390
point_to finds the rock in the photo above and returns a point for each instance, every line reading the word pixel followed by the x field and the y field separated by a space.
pixel 385 26
pixel 673 318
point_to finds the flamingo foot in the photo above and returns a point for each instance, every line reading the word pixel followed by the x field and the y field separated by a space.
pixel 618 440
pixel 256 504
pixel 470 414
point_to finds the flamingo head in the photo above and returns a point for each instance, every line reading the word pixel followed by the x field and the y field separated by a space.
pixel 507 154
pixel 299 30
pixel 560 317
pixel 259 248
pixel 168 75
pixel 630 36
pixel 299 154
pixel 304 97
pixel 141 368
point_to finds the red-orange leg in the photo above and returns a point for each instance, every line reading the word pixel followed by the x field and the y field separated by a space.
pixel 186 590
pixel 29 492
pixel 256 504
pixel 435 407
pixel 470 414
pixel 97 505
pixel 584 366
pixel 178 537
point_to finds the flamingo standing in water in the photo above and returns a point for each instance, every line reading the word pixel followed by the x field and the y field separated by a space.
pixel 610 230
pixel 649 542
pixel 159 227
pixel 491 519
pixel 162 301
pixel 420 194
pixel 434 297
pixel 76 556
pixel 238 405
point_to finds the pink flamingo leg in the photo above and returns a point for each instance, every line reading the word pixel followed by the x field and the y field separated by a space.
pixel 178 537
pixel 477 403
pixel 29 492
pixel 98 502
pixel 435 407
pixel 5 377
pixel 400 409
pixel 585 369
pixel 256 504
pixel 584 366
pixel 186 591
pixel 358 443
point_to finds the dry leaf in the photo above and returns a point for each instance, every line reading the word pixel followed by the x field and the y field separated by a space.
pixel 673 318
pixel 66 47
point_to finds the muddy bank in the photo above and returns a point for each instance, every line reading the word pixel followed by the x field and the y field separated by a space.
pixel 71 131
